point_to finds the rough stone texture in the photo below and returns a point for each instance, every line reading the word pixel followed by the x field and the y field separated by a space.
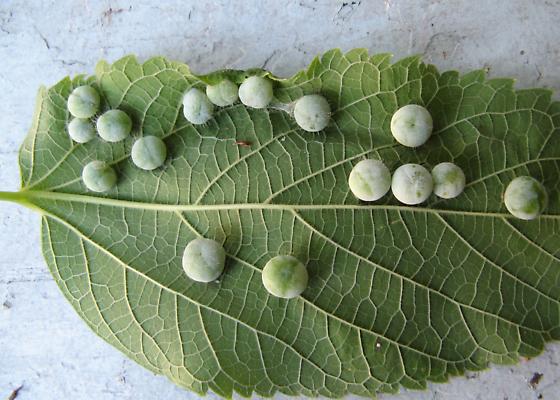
pixel 43 344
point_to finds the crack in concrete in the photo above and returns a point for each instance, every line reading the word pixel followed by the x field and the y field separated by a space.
pixel 347 9
pixel 48 46
pixel 69 63
pixel 5 21
pixel 268 59
pixel 46 278
pixel 539 73
pixel 108 14
pixel 445 37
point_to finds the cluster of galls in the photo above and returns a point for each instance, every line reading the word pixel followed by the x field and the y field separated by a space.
pixel 411 184
pixel 311 112
pixel 148 152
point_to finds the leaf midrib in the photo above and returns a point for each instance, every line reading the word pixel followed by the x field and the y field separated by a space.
pixel 292 208
pixel 29 195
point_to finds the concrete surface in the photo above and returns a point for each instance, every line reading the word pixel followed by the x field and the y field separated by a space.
pixel 43 344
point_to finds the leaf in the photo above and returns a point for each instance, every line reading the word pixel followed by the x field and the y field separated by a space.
pixel 398 295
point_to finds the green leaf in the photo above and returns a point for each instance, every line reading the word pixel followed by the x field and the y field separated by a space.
pixel 398 295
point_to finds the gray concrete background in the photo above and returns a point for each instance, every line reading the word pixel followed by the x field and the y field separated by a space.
pixel 43 344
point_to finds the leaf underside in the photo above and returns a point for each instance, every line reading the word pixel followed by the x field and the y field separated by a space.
pixel 397 296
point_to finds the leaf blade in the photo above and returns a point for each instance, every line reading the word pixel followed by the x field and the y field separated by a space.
pixel 398 295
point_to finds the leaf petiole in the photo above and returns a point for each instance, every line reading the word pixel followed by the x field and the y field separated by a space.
pixel 20 198
pixel 15 197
